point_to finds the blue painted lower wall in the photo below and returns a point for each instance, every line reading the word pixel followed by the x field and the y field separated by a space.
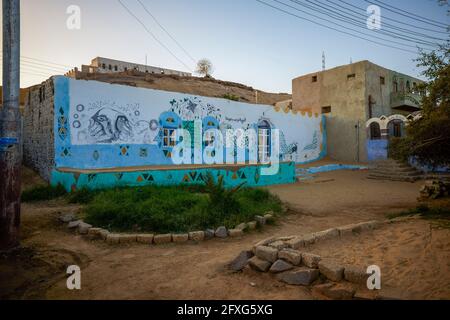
pixel 377 149
pixel 233 175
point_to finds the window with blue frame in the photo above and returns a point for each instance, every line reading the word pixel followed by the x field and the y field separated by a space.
pixel 207 124
pixel 169 122
pixel 264 144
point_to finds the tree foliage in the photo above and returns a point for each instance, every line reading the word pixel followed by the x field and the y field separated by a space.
pixel 428 139
pixel 204 67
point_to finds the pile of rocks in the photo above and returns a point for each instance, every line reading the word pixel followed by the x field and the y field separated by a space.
pixel 433 189
pixel 291 262
pixel 116 238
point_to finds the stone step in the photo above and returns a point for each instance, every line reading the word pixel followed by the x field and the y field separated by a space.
pixel 394 178
pixel 437 176
pixel 393 166
pixel 395 173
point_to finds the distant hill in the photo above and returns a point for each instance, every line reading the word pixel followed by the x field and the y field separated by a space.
pixel 204 86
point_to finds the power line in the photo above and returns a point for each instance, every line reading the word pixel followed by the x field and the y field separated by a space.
pixel 53 63
pixel 41 69
pixel 392 19
pixel 44 65
pixel 152 35
pixel 357 23
pixel 334 29
pixel 47 63
pixel 408 14
pixel 167 32
pixel 25 64
pixel 352 14
pixel 347 28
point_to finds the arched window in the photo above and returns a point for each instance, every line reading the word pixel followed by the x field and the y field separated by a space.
pixel 408 86
pixel 375 131
pixel 264 134
pixel 396 128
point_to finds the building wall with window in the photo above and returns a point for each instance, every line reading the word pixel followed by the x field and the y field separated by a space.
pixel 349 95
pixel 106 65
pixel 98 126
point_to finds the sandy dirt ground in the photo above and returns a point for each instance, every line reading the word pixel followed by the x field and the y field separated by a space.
pixel 412 255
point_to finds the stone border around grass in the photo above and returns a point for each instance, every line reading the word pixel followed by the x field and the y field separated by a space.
pixel 222 232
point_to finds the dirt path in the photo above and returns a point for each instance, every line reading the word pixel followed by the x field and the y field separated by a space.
pixel 190 271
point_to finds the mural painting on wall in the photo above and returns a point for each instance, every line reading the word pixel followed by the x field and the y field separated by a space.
pixel 150 118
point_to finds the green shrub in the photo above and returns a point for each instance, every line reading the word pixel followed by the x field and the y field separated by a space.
pixel 83 196
pixel 41 193
pixel 165 209
pixel 230 97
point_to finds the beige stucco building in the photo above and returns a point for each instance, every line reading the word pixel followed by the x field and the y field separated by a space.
pixel 106 65
pixel 349 95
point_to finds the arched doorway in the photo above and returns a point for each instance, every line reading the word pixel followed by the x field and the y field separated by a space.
pixel 374 131
pixel 396 128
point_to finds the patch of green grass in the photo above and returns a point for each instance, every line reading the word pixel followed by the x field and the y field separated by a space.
pixel 165 209
pixel 41 193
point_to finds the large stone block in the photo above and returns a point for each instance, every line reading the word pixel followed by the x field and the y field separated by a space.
pixel 209 234
pixel 241 260
pixel 197 235
pixel 259 265
pixel 235 233
pixel 310 260
pixel 290 255
pixel 145 238
pixel 269 217
pixel 241 226
pixel 302 276
pixel 113 238
pixel 267 253
pixel 263 242
pixel 83 227
pixel 328 234
pixel 331 270
pixel 308 239
pixel 183 237
pixel 260 220
pixel 278 244
pixel 104 234
pixel 280 266
pixel 252 225
pixel 74 224
pixel 356 275
pixel 296 243
pixel 127 238
pixel 221 232
pixel 162 238
pixel 94 233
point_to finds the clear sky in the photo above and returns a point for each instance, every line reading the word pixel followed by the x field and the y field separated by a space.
pixel 246 41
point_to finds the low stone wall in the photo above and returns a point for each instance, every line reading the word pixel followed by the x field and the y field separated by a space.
pixel 291 261
pixel 94 233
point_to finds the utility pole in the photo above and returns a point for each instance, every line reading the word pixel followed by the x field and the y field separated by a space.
pixel 10 129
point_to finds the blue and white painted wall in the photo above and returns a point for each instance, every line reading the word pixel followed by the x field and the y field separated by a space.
pixel 99 125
